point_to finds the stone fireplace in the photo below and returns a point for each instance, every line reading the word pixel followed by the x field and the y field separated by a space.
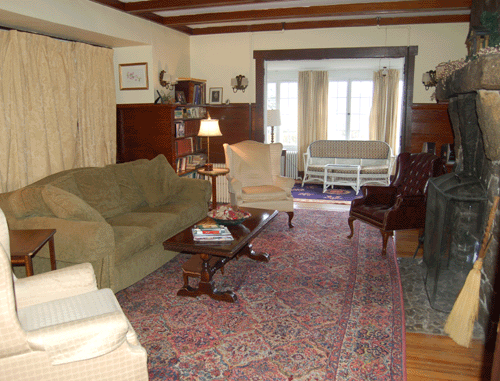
pixel 473 93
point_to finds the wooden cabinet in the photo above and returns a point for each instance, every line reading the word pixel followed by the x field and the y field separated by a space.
pixel 146 130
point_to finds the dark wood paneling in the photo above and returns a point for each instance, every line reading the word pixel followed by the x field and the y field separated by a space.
pixel 235 122
pixel 430 123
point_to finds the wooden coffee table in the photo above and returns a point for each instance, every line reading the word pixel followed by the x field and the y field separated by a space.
pixel 208 258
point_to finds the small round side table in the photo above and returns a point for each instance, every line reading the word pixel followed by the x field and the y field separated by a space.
pixel 213 173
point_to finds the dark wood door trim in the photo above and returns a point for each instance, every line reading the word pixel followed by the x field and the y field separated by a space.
pixel 406 52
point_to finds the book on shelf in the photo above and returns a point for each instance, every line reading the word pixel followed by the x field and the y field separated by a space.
pixel 184 146
pixel 179 129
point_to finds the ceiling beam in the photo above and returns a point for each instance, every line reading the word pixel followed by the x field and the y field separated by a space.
pixel 382 8
pixel 329 24
pixel 170 5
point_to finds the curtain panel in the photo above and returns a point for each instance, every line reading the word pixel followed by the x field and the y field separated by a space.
pixel 313 110
pixel 385 107
pixel 57 107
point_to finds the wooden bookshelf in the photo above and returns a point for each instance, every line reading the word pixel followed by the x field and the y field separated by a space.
pixel 145 131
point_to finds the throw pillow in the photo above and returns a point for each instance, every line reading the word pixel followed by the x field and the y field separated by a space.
pixel 158 180
pixel 28 201
pixel 68 206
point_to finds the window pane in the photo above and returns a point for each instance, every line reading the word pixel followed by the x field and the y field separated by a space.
pixel 337 110
pixel 288 105
pixel 361 103
pixel 271 96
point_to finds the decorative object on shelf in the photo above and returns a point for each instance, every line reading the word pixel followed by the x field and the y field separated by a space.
pixel 134 76
pixel 239 83
pixel 273 119
pixel 167 81
pixel 216 95
pixel 429 79
pixel 209 127
pixel 180 97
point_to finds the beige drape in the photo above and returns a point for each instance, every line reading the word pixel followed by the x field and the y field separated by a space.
pixel 385 107
pixel 57 107
pixel 313 110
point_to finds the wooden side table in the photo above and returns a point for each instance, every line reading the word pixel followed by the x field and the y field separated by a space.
pixel 25 244
pixel 213 173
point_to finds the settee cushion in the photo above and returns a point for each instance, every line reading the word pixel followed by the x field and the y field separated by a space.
pixel 28 202
pixel 130 240
pixel 100 190
pixel 131 191
pixel 157 179
pixel 68 206
pixel 157 224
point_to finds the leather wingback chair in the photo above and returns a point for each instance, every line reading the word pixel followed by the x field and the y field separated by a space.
pixel 401 205
pixel 59 326
pixel 254 177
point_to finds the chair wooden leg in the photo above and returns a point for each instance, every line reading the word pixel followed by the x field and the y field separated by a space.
pixel 351 225
pixel 290 216
pixel 385 238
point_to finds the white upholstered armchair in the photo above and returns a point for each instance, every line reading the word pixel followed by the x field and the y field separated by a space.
pixel 254 177
pixel 58 326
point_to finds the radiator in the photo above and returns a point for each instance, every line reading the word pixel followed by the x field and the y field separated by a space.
pixel 291 167
pixel 222 187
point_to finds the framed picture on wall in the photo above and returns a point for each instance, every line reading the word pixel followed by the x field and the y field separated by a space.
pixel 215 95
pixel 134 76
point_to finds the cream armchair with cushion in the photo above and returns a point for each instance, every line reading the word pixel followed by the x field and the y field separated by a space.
pixel 59 326
pixel 254 177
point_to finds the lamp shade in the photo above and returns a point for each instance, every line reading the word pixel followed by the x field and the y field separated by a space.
pixel 209 127
pixel 273 118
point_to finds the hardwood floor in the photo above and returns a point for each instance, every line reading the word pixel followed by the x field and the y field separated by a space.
pixel 428 357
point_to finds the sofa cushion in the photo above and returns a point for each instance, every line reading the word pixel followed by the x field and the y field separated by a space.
pixel 100 190
pixel 28 202
pixel 187 212
pixel 159 225
pixel 130 240
pixel 68 206
pixel 158 180
pixel 131 191
pixel 67 183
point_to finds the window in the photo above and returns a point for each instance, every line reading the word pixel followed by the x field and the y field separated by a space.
pixel 283 95
pixel 349 105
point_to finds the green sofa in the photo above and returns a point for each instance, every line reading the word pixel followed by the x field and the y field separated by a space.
pixel 115 217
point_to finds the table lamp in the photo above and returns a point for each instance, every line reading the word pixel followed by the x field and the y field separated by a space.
pixel 209 127
pixel 273 119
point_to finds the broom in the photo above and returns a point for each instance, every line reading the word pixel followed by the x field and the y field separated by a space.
pixel 460 322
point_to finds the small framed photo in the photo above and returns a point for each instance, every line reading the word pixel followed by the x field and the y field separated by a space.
pixel 179 130
pixel 134 76
pixel 180 97
pixel 215 95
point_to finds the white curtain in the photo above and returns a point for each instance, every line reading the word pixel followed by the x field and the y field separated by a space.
pixel 313 110
pixel 385 107
pixel 57 107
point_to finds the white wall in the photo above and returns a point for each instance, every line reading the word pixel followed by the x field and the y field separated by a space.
pixel 218 58
pixel 137 40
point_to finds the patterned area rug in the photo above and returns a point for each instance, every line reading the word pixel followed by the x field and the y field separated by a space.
pixel 314 193
pixel 324 308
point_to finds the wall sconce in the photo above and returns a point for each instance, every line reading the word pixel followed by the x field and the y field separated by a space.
pixel 239 83
pixel 429 79
pixel 166 80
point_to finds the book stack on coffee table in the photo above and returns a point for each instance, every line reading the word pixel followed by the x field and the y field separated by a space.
pixel 210 232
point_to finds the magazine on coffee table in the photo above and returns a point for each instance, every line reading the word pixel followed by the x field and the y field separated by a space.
pixel 211 233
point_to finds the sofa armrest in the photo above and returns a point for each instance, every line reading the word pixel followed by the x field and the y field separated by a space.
pixel 57 284
pixel 75 241
pixel 193 189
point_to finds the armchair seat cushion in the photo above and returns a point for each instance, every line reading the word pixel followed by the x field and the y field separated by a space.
pixel 374 212
pixel 263 193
